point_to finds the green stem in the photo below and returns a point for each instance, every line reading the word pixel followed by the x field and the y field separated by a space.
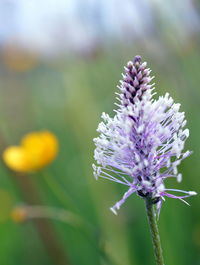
pixel 88 230
pixel 58 191
pixel 40 211
pixel 154 231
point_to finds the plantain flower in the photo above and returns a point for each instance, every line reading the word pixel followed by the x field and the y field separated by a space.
pixel 37 150
pixel 143 143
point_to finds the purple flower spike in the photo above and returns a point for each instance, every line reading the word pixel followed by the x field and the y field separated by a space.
pixel 143 143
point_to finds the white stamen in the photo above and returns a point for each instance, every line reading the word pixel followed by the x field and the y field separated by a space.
pixel 192 193
pixel 113 210
pixel 179 177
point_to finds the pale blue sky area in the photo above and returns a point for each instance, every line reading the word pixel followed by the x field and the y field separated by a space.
pixel 48 24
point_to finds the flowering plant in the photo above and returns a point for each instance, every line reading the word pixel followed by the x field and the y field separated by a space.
pixel 37 150
pixel 143 144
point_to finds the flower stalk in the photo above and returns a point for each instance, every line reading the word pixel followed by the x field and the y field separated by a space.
pixel 154 231
pixel 142 145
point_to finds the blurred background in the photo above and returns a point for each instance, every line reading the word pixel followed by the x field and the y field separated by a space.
pixel 60 63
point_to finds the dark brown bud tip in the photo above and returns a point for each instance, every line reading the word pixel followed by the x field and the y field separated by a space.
pixel 137 58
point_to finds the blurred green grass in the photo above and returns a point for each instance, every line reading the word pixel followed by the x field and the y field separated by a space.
pixel 67 97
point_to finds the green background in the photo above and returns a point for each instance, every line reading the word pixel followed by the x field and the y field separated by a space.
pixel 67 96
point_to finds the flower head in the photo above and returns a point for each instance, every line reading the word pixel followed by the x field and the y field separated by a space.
pixel 143 143
pixel 37 149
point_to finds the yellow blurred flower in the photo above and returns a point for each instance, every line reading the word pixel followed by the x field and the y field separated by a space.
pixel 19 214
pixel 37 149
